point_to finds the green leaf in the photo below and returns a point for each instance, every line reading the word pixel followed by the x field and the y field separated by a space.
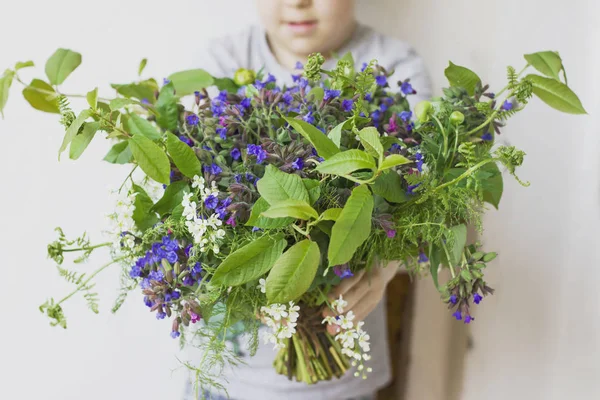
pixel 249 262
pixel 314 189
pixel 548 63
pixel 73 130
pixel 120 153
pixel 489 257
pixel 171 198
pixel 369 138
pixel 459 239
pixel 462 77
pixel 556 94
pixel 435 257
pixel 167 108
pixel 466 275
pixel 389 186
pixel 81 141
pixel 296 209
pixel 353 226
pixel 324 146
pixel 92 98
pixel 388 141
pixel 493 186
pixel 142 66
pixel 259 221
pixel 21 65
pixel 120 102
pixel 227 84
pixel 183 156
pixel 137 125
pixel 293 273
pixel 276 186
pixel 143 90
pixel 336 133
pixel 318 93
pixel 60 65
pixel 151 158
pixel 393 160
pixel 5 83
pixel 142 216
pixel 41 96
pixel 347 162
pixel 331 214
pixel 187 82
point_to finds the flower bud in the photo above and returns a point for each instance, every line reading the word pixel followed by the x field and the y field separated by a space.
pixel 457 118
pixel 244 77
pixel 423 110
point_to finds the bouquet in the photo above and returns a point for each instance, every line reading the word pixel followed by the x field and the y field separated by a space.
pixel 246 204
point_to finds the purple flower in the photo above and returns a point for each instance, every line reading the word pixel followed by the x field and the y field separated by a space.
pixel 331 94
pixel 187 140
pixel 175 295
pixel 170 244
pixel 257 151
pixel 156 276
pixel 457 314
pixel 236 177
pixel 343 271
pixel 249 177
pixel 175 334
pixel 405 115
pixel 246 103
pixel 309 118
pixel 296 78
pixel 477 298
pixel 376 115
pixel 211 202
pixel 507 106
pixel 145 101
pixel 407 88
pixel 222 95
pixel 419 161
pixel 235 154
pixel 453 299
pixel 391 233
pixel 299 65
pixel 192 119
pixel 172 257
pixel 487 137
pixel 423 258
pixel 222 132
pixel 148 302
pixel 381 80
pixel 255 229
pixel 270 79
pixel 194 317
pixel 136 271
pixel 468 319
pixel 166 81
pixel 369 97
pixel 298 164
pixel 303 83
pixel 287 98
pixel 383 107
pixel 217 108
pixel 213 169
pixel 231 221
pixel 364 66
pixel 160 315
pixel 145 283
pixel 411 188
pixel 347 105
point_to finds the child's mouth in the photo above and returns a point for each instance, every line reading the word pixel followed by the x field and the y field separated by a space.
pixel 302 27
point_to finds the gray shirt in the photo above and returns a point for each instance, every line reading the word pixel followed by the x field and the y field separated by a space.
pixel 249 49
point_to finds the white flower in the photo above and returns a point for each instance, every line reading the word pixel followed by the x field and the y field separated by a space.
pixel 262 285
pixel 346 320
pixel 339 304
pixel 293 312
pixel 198 182
pixel 363 341
pixel 330 320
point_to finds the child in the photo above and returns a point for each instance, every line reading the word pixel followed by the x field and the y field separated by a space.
pixel 293 29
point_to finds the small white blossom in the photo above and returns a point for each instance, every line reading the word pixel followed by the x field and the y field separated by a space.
pixel 198 182
pixel 262 285
pixel 346 320
pixel 339 304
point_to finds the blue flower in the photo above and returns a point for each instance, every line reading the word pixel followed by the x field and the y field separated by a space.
pixel 376 115
pixel 145 283
pixel 411 188
pixel 381 80
pixel 299 65
pixel 477 298
pixel 423 258
pixel 468 319
pixel 175 334
pixel 222 132
pixel 211 202
pixel 145 101
pixel 249 177
pixel 255 229
pixel 457 314
pixel 156 276
pixel 507 105
pixel 217 108
pixel 331 94
pixel 287 98
pixel 407 88
pixel 187 140
pixel 222 95
pixel 347 105
pixel 296 78
pixel 405 115
pixel 298 164
pixel 235 154
pixel 148 302
pixel 453 299
pixel 172 257
pixel 369 97
pixel 192 119
pixel 246 103
pixel 270 79
pixel 303 82
pixel 364 66
pixel 213 169
pixel 205 147
pixel 257 151
pixel 170 244
pixel 166 81
pixel 136 271
pixel 161 315
pixel 236 177
pixel 309 118
pixel 419 160
pixel 487 137
pixel 383 107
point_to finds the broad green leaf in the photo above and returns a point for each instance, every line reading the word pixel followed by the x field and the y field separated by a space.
pixel 389 186
pixel 151 158
pixel 41 96
pixel 183 156
pixel 556 94
pixel 92 98
pixel 347 162
pixel 142 66
pixel 392 161
pixel 318 93
pixel 259 221
pixel 369 138
pixel 137 125
pixel 249 262
pixel 120 102
pixel 435 257
pixel 336 133
pixel 352 227
pixel 171 198
pixel 331 214
pixel 493 186
pixel 293 273
pixel 142 216
pixel 388 141
pixel 25 64
pixel 314 189
pixel 462 77
pixel 296 209
pixel 5 83
pixel 167 108
pixel 324 146
pixel 81 141
pixel 548 63
pixel 60 65
pixel 143 90
pixel 187 82
pixel 120 153
pixel 276 186
pixel 489 257
pixel 73 130
pixel 459 239
pixel 225 84
pixel 466 275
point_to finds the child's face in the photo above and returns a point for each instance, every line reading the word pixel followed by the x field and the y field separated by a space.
pixel 308 26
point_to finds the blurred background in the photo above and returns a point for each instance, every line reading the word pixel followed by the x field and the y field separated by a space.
pixel 537 338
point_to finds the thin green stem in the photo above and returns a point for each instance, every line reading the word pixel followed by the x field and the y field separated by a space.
pixel 87 248
pixel 452 272
pixel 128 176
pixel 444 134
pixel 466 174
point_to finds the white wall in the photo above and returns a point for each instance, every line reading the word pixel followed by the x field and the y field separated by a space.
pixel 537 338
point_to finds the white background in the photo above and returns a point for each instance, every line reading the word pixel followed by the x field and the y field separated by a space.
pixel 538 338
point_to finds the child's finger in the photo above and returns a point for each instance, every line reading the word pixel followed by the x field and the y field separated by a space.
pixel 346 285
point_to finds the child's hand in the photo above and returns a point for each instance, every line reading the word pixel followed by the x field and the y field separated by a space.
pixel 362 292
